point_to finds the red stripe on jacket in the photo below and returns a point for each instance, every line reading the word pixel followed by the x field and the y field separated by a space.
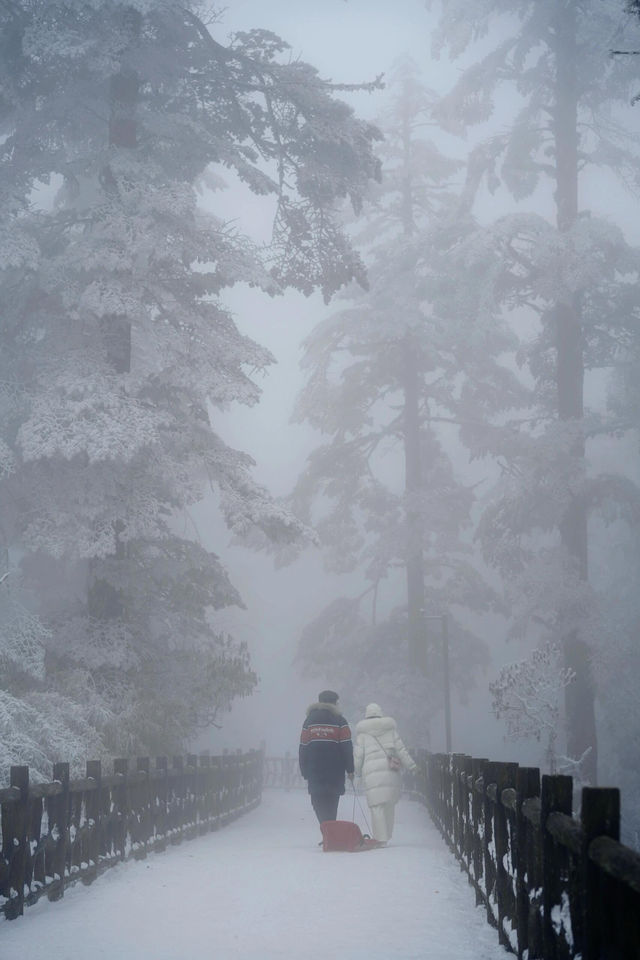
pixel 325 731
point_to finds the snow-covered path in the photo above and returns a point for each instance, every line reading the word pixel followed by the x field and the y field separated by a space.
pixel 262 889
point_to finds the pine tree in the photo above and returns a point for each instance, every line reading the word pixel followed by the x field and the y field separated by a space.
pixel 389 374
pixel 569 271
pixel 116 340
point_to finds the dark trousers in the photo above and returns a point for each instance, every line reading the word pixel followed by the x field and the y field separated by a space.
pixel 325 805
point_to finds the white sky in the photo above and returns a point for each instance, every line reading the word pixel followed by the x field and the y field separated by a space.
pixel 348 41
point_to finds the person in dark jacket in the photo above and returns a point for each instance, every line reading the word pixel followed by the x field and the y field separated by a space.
pixel 325 754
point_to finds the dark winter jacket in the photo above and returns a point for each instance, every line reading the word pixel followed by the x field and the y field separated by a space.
pixel 326 750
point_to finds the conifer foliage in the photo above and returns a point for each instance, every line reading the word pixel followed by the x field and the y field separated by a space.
pixel 571 275
pixel 392 376
pixel 115 341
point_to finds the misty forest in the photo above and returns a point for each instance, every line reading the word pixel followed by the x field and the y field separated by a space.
pixel 443 240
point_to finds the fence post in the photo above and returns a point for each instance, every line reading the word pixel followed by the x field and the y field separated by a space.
pixel 261 770
pixel 177 764
pixel 59 824
pixel 478 766
pixel 506 883
pixel 14 840
pixel 216 791
pixel 505 779
pixel 467 830
pixel 192 786
pixel 490 776
pixel 600 818
pixel 207 798
pixel 449 798
pixel 258 776
pixel 94 812
pixel 421 777
pixel 143 813
pixel 556 795
pixel 527 786
pixel 430 786
pixel 242 760
pixel 225 785
pixel 36 862
pixel 121 765
pixel 161 795
pixel 456 801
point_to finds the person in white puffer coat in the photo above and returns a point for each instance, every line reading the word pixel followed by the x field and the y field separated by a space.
pixel 377 740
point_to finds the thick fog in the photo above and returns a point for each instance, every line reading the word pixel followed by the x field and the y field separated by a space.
pixel 419 320
pixel 351 42
pixel 348 43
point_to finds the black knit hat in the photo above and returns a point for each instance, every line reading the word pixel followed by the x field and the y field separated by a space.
pixel 328 696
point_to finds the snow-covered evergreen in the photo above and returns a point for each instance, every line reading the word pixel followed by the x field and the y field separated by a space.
pixel 567 279
pixel 391 377
pixel 116 341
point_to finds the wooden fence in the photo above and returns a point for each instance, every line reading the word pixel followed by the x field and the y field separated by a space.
pixel 283 772
pixel 53 834
pixel 555 887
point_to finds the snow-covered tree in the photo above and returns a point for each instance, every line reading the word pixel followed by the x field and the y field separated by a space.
pixel 116 340
pixel 526 695
pixel 568 277
pixel 633 6
pixel 390 375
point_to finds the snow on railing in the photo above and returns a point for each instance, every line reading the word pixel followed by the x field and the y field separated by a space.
pixel 55 833
pixel 555 887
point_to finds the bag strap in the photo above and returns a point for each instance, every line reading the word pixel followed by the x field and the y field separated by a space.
pixel 379 744
pixel 389 756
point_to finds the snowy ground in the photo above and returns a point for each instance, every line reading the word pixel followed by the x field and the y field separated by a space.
pixel 261 888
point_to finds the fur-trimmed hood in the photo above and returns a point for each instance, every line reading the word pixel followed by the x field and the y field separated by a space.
pixel 331 707
pixel 375 725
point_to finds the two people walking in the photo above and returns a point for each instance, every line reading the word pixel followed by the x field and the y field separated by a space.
pixel 327 755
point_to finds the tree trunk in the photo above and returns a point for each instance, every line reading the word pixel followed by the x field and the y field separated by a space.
pixel 105 602
pixel 412 447
pixel 413 486
pixel 580 694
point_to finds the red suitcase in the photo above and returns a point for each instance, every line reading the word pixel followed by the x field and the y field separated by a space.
pixel 345 835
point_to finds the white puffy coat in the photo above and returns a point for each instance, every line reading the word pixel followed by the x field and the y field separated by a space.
pixel 375 735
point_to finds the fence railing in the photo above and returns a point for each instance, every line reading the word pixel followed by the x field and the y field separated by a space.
pixel 53 834
pixel 283 772
pixel 555 887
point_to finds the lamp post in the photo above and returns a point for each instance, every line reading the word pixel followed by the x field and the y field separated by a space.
pixel 444 620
